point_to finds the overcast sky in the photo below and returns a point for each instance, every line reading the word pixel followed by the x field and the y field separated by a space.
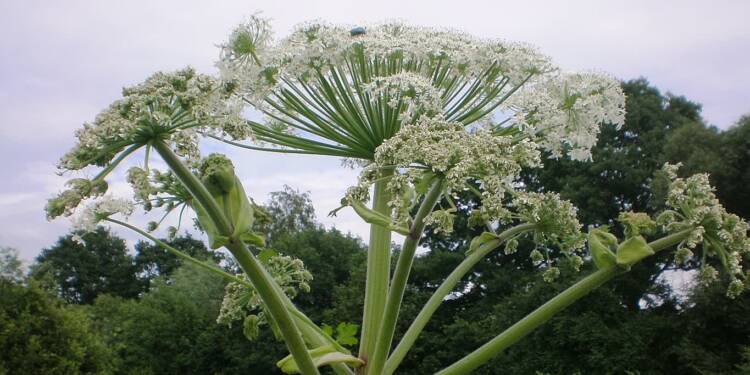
pixel 62 62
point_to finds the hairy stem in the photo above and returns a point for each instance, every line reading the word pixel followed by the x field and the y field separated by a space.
pixel 378 271
pixel 261 280
pixel 542 314
pixel 400 277
pixel 445 288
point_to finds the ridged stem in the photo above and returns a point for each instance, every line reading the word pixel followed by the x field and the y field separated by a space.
pixel 443 290
pixel 400 277
pixel 378 273
pixel 261 280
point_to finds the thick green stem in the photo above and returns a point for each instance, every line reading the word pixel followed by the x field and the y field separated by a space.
pixel 310 331
pixel 261 280
pixel 542 314
pixel 400 277
pixel 445 288
pixel 378 272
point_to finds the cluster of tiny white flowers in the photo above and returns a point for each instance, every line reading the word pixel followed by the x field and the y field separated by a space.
pixel 164 103
pixel 315 47
pixel 139 180
pixel 241 302
pixel 408 93
pixel 448 149
pixel 693 206
pixel 555 219
pixel 441 220
pixel 68 200
pixel 88 218
pixel 564 112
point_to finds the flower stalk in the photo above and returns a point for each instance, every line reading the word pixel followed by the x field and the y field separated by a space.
pixel 411 335
pixel 378 272
pixel 545 312
pixel 310 331
pixel 261 280
pixel 400 277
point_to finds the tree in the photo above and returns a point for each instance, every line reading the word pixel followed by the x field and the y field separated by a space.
pixel 11 267
pixel 39 335
pixel 734 178
pixel 82 271
pixel 289 210
pixel 152 260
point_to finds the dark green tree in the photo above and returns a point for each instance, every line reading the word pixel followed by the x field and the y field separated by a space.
pixel 82 271
pixel 153 261
pixel 40 335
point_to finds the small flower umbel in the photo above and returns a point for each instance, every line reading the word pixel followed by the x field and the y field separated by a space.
pixel 168 107
pixel 721 236
pixel 242 302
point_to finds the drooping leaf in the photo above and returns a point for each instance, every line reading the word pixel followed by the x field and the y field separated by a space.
pixel 633 250
pixel 602 246
pixel 480 240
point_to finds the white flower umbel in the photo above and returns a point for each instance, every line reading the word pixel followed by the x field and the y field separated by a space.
pixel 88 218
pixel 446 148
pixel 170 106
pixel 244 304
pixel 563 113
pixel 723 236
pixel 347 89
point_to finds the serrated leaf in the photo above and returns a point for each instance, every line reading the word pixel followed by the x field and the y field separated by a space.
pixel 633 250
pixel 602 245
pixel 328 330
pixel 346 334
pixel 480 240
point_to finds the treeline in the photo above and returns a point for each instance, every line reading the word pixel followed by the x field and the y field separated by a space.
pixel 95 308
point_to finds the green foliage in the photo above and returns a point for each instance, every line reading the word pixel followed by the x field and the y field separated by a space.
pixel 346 333
pixel 152 260
pixel 11 267
pixel 40 335
pixel 289 211
pixel 82 271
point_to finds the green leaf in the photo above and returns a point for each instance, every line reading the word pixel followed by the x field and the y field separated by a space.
pixel 346 334
pixel 321 356
pixel 633 250
pixel 480 240
pixel 373 217
pixel 424 183
pixel 328 330
pixel 266 254
pixel 602 246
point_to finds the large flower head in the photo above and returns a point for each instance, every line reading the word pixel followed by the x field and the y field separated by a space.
pixel 167 106
pixel 344 90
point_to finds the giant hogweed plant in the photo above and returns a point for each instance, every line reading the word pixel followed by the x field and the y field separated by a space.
pixel 424 114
